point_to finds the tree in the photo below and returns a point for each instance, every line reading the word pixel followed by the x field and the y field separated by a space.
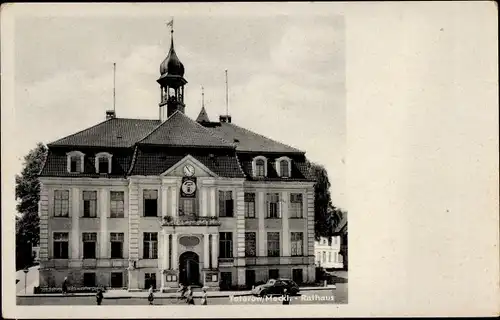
pixel 326 215
pixel 28 195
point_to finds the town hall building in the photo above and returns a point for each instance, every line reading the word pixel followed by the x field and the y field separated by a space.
pixel 130 203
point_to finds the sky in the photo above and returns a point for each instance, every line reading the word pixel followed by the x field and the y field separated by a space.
pixel 286 76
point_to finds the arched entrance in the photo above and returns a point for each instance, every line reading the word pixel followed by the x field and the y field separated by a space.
pixel 189 268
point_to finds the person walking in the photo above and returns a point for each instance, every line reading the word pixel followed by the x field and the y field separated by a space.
pixel 151 296
pixel 65 285
pixel 286 296
pixel 204 296
pixel 99 296
pixel 189 296
pixel 182 291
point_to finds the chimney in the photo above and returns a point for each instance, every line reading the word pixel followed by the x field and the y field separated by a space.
pixel 226 118
pixel 110 114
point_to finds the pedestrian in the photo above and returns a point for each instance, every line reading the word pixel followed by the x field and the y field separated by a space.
pixel 151 295
pixel 65 285
pixel 286 296
pixel 182 291
pixel 99 296
pixel 204 296
pixel 189 296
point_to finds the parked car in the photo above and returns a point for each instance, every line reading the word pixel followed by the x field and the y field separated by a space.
pixel 276 287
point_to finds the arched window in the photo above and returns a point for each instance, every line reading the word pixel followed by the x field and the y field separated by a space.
pixel 260 167
pixel 75 161
pixel 283 167
pixel 103 162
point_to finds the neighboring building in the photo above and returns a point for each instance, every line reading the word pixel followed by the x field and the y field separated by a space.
pixel 327 253
pixel 133 202
pixel 341 231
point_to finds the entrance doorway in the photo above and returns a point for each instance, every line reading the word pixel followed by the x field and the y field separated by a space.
pixel 250 278
pixel 189 268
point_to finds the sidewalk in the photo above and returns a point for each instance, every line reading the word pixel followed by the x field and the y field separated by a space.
pixel 124 294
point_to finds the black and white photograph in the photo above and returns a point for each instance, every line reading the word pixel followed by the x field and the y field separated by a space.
pixel 174 161
pixel 206 160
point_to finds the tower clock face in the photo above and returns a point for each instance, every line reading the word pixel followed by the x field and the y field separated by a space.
pixel 189 170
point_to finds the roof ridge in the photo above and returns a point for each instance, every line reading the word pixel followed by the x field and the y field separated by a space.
pixel 262 136
pixel 211 133
pixel 239 165
pixel 158 126
pixel 134 159
pixel 74 134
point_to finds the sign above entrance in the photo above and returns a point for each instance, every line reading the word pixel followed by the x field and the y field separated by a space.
pixel 188 187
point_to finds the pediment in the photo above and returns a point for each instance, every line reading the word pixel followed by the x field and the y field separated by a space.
pixel 200 170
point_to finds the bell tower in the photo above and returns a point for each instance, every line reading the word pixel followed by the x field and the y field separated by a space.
pixel 172 83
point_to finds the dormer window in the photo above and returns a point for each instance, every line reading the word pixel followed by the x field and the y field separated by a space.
pixel 284 167
pixel 75 161
pixel 259 167
pixel 103 162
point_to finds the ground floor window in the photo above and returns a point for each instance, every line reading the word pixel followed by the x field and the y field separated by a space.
pixel 250 278
pixel 226 279
pixel 297 276
pixel 274 273
pixel 89 279
pixel 116 279
pixel 150 280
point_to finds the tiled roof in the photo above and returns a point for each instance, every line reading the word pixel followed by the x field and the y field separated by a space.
pixel 248 141
pixel 342 226
pixel 155 162
pixel 180 130
pixel 115 132
pixel 202 116
pixel 56 165
pixel 300 171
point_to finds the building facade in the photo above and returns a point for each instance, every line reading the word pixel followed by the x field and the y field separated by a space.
pixel 327 253
pixel 130 203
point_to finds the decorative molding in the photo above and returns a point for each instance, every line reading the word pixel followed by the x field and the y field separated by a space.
pixel 254 165
pixel 187 159
pixel 72 154
pixel 278 166
pixel 107 155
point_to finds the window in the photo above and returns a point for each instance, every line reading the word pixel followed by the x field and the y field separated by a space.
pixel 273 244
pixel 188 207
pixel 225 203
pixel 273 206
pixel 89 245
pixel 329 257
pixel 225 244
pixel 103 162
pixel 249 205
pixel 150 245
pixel 116 279
pixel 150 280
pixel 150 203
pixel 259 168
pixel 75 161
pixel 116 245
pixel 250 244
pixel 89 279
pixel 297 243
pixel 324 256
pixel 297 276
pixel 295 207
pixel 116 205
pixel 61 241
pixel 61 203
pixel 90 204
pixel 274 273
pixel 284 169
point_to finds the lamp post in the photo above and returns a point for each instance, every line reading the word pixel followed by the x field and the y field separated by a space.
pixel 25 278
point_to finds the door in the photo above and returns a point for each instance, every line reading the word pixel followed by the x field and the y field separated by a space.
pixel 150 280
pixel 225 280
pixel 89 279
pixel 250 278
pixel 189 268
pixel 116 280
pixel 297 276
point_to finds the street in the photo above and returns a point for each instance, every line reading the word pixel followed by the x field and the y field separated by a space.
pixel 336 296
